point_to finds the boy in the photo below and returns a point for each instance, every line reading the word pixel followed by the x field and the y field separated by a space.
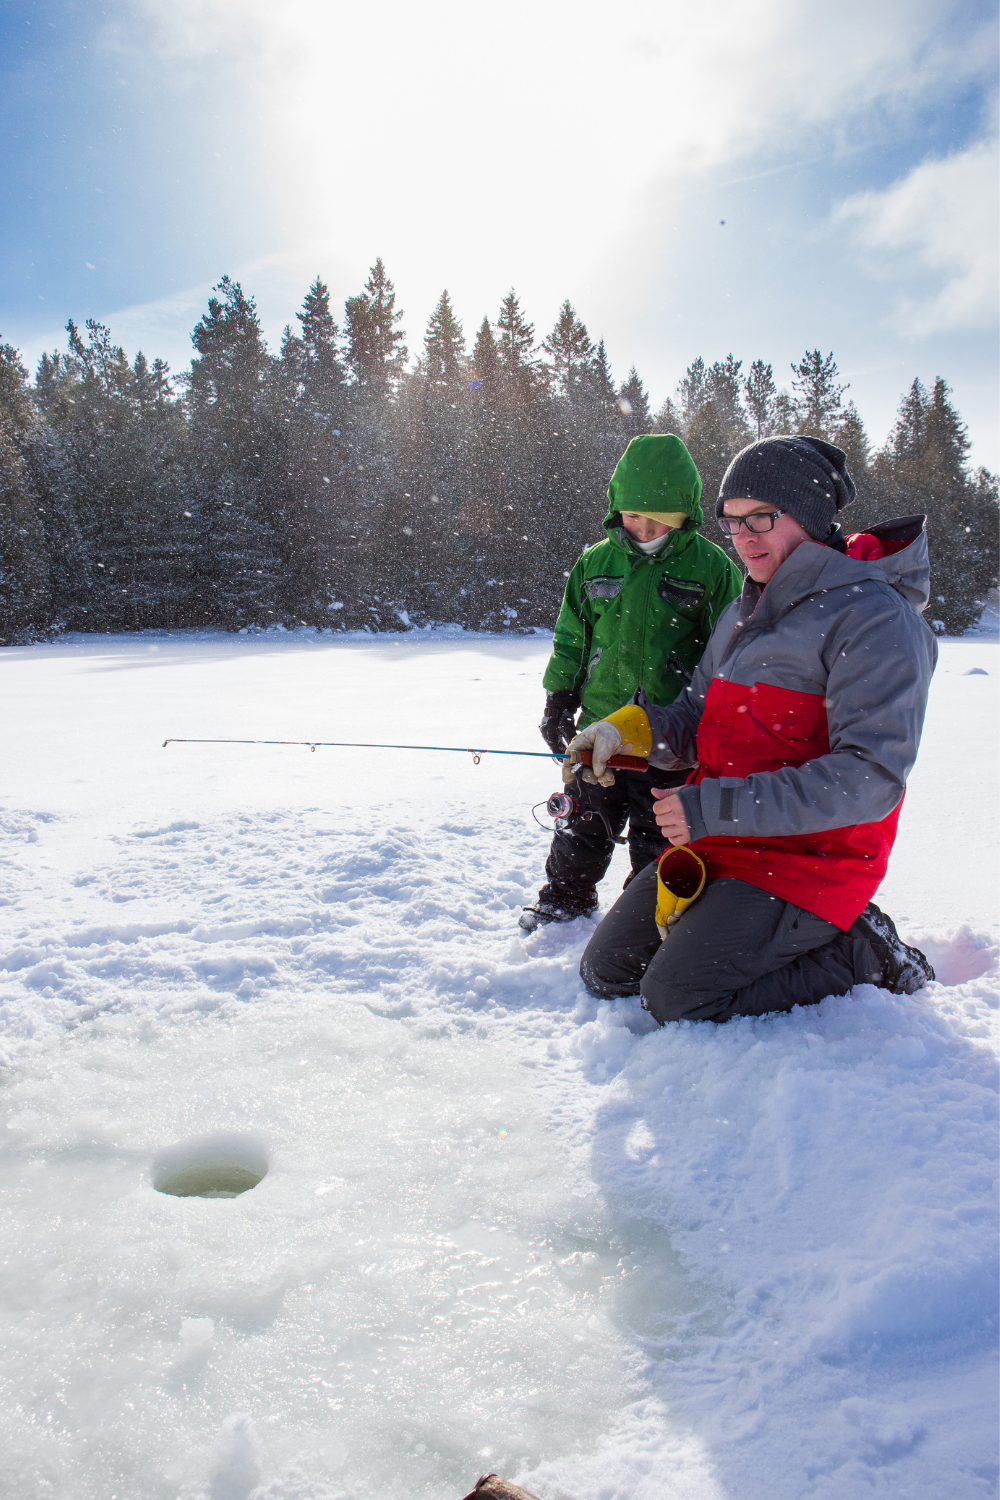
pixel 638 609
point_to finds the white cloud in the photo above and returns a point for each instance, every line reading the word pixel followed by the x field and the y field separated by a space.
pixel 941 219
pixel 475 145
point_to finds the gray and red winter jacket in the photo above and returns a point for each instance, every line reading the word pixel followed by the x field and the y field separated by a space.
pixel 803 721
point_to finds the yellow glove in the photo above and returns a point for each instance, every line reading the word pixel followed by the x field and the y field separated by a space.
pixel 625 732
pixel 680 879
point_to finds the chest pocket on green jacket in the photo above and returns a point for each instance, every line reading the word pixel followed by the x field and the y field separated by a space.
pixel 682 594
pixel 603 588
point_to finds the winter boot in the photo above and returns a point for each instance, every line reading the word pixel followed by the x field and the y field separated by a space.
pixel 904 970
pixel 551 908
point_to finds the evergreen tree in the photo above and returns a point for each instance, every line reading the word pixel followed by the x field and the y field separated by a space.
pixel 310 478
pixel 522 377
pixel 376 356
pixel 924 468
pixel 869 506
pixel 908 439
pixel 376 352
pixel 572 354
pixel 724 386
pixel 946 435
pixel 585 436
pixel 24 584
pixel 853 438
pixel 486 360
pixel 712 420
pixel 110 486
pixel 313 358
pixel 237 570
pixel 909 436
pixel 669 419
pixel 46 380
pixel 607 416
pixel 276 489
pixel 444 349
pixel 818 394
pixel 225 379
pixel 692 391
pixel 783 417
pixel 506 514
pixel 760 392
pixel 604 384
pixel 633 403
pixel 711 444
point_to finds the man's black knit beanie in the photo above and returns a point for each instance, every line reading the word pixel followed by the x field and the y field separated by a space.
pixel 803 476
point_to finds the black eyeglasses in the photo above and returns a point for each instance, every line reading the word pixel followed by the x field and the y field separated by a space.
pixel 763 521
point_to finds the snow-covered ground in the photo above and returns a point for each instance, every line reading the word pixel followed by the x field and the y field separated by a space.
pixel 503 1226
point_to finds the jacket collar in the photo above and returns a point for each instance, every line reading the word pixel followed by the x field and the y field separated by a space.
pixel 678 539
pixel 814 568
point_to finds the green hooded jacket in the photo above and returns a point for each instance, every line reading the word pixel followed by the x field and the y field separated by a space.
pixel 628 620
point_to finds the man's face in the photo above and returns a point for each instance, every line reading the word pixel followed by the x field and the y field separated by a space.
pixel 642 528
pixel 763 552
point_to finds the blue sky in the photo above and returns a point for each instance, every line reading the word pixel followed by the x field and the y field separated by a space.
pixel 567 149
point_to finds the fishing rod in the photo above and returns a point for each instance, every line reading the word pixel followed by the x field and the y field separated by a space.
pixel 618 762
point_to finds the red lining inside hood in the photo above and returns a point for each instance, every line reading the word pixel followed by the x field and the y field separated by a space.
pixel 865 547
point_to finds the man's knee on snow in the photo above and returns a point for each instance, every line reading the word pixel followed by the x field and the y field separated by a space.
pixel 670 1002
pixel 671 992
pixel 605 976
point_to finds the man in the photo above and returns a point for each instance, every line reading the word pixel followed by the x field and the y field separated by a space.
pixel 637 610
pixel 803 721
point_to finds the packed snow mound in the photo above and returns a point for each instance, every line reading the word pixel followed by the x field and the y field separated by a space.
pixel 499 1224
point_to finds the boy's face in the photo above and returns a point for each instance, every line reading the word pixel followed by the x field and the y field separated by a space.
pixel 643 528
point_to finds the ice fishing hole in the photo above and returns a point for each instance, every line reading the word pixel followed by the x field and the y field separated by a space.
pixel 215 1166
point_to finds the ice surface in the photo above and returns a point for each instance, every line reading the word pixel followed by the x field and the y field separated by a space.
pixel 501 1226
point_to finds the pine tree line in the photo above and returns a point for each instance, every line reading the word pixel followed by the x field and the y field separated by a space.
pixel 334 484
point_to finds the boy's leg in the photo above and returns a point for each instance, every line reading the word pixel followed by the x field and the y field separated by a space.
pixel 645 841
pixel 580 855
pixel 736 951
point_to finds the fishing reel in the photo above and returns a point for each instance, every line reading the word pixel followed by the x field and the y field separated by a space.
pixel 562 806
pixel 568 811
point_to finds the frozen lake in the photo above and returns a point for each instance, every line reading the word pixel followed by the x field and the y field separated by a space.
pixel 501 1225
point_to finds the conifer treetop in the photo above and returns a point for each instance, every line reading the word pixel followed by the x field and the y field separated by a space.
pixel 444 347
pixel 376 352
pixel 760 391
pixel 516 343
pixel 571 352
pixel 818 393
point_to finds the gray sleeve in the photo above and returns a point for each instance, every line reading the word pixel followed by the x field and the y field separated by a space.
pixel 675 728
pixel 880 664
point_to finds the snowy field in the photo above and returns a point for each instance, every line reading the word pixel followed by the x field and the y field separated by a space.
pixel 503 1225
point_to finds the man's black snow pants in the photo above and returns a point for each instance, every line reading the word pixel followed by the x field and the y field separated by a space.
pixel 580 854
pixel 736 951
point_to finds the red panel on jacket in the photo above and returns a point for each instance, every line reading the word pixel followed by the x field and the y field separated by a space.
pixel 744 730
pixel 759 728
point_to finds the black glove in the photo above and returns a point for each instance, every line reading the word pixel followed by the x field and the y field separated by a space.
pixel 558 724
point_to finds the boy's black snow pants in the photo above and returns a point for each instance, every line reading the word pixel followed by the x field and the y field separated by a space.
pixel 736 951
pixel 580 855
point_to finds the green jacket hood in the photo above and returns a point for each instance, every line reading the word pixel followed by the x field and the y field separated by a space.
pixel 656 472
